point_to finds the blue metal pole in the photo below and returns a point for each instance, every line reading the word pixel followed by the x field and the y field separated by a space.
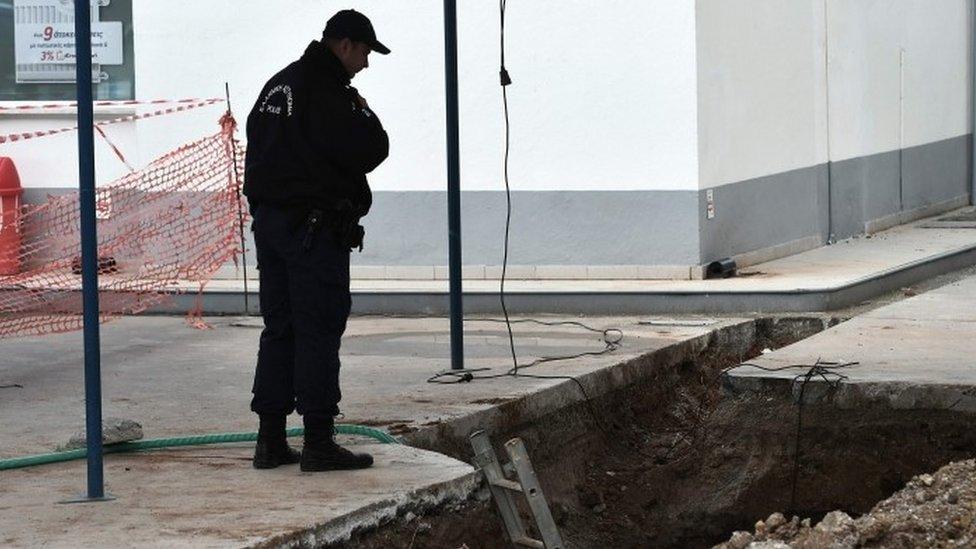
pixel 453 184
pixel 89 248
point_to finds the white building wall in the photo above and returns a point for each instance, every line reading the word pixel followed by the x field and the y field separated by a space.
pixel 52 162
pixel 825 119
pixel 656 101
pixel 604 99
pixel 899 74
pixel 761 92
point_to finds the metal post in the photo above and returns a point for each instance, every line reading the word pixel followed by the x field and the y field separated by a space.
pixel 453 185
pixel 89 249
pixel 240 206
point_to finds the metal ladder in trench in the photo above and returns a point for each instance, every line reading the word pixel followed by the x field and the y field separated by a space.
pixel 504 490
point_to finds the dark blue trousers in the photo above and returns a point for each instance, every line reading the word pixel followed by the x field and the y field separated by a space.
pixel 305 303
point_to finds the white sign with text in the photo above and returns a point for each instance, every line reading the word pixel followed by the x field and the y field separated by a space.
pixel 54 43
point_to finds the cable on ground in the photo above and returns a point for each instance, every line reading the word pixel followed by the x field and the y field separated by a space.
pixel 612 337
pixel 826 371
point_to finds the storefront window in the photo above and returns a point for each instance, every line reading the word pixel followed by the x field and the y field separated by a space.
pixel 37 50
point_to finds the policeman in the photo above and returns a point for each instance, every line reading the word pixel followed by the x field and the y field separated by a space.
pixel 311 141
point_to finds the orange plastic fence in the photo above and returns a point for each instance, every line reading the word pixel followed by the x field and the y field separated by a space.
pixel 172 223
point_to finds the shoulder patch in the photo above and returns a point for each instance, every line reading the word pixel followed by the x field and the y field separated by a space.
pixel 277 101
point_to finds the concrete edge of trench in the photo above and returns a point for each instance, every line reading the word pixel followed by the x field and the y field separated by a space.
pixel 853 394
pixel 231 302
pixel 451 437
pixel 735 338
pixel 376 514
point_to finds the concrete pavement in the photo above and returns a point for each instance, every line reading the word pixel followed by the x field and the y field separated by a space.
pixel 912 354
pixel 821 279
pixel 916 353
pixel 211 497
pixel 176 380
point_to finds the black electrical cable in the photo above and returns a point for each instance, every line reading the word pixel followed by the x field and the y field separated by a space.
pixel 612 337
pixel 611 343
pixel 828 372
pixel 505 82
pixel 821 368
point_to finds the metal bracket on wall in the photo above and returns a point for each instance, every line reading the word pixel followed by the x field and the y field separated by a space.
pixel 503 491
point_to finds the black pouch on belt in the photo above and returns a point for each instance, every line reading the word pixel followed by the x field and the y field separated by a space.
pixel 349 232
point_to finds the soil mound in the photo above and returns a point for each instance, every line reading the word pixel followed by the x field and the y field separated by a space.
pixel 930 511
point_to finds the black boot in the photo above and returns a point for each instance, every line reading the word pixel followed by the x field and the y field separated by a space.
pixel 321 453
pixel 272 447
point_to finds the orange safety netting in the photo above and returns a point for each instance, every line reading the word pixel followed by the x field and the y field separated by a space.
pixel 161 230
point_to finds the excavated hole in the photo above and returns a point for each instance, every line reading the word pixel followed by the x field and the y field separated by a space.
pixel 680 460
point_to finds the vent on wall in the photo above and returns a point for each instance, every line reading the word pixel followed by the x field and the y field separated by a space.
pixel 49 12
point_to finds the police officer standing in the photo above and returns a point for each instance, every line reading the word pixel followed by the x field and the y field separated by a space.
pixel 311 141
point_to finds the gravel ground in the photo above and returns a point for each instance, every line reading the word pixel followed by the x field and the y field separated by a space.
pixel 930 511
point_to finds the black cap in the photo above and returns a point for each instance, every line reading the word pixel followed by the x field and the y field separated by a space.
pixel 355 26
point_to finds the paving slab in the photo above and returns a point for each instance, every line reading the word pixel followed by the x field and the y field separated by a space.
pixel 822 279
pixel 223 503
pixel 176 380
pixel 825 278
pixel 919 352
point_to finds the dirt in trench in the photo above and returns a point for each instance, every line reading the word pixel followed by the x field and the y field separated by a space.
pixel 679 460
pixel 937 510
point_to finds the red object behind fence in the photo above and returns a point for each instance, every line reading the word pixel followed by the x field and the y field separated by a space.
pixel 10 200
pixel 162 230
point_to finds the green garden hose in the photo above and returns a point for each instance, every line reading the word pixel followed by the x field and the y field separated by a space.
pixel 221 438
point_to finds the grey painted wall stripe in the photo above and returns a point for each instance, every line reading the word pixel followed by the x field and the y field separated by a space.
pixel 548 228
pixel 766 212
pixel 764 217
pixel 873 187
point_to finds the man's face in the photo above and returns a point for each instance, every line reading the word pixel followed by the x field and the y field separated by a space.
pixel 354 56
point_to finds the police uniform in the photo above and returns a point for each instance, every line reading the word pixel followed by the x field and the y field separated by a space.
pixel 310 145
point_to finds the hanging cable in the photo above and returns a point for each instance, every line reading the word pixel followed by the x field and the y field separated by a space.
pixel 612 337
pixel 826 371
pixel 506 81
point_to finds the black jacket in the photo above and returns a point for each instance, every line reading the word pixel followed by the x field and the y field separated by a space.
pixel 309 143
